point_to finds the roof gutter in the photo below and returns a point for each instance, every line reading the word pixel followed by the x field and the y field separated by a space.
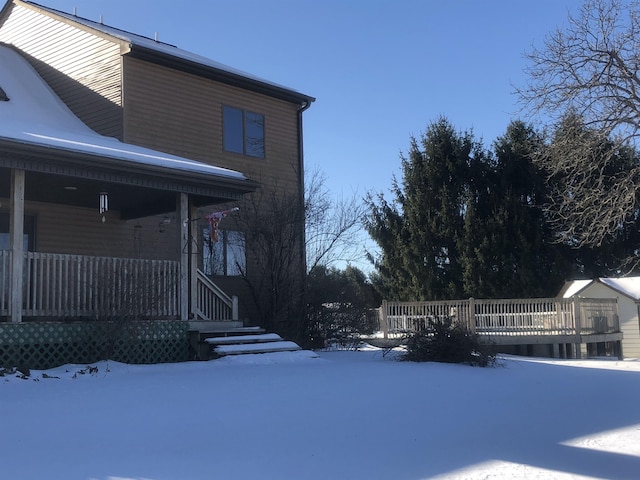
pixel 72 163
pixel 212 73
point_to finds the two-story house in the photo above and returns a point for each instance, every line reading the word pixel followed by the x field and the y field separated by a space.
pixel 114 150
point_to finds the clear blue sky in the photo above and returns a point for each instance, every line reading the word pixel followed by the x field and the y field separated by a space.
pixel 381 70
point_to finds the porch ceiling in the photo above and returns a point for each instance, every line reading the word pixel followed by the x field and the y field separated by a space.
pixel 130 200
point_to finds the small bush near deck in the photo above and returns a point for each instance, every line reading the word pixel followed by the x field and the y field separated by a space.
pixel 448 342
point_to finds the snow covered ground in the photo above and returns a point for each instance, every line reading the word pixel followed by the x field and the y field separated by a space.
pixel 330 415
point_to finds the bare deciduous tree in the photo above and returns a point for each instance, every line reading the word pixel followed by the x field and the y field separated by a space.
pixel 273 221
pixel 587 78
pixel 332 224
pixel 591 67
pixel 594 184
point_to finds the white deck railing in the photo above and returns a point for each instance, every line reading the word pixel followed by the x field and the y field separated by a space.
pixel 64 285
pixel 505 317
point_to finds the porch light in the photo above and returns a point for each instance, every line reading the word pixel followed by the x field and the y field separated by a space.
pixel 163 223
pixel 104 202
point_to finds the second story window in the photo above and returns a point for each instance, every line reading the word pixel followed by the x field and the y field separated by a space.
pixel 243 132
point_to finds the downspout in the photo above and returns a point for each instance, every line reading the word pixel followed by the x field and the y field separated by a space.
pixel 304 106
pixel 302 327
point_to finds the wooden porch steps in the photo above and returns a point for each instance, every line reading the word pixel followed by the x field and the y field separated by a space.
pixel 209 341
pixel 245 344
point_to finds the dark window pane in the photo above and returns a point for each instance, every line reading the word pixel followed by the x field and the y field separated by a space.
pixel 29 232
pixel 213 255
pixel 233 137
pixel 236 258
pixel 254 125
pixel 226 256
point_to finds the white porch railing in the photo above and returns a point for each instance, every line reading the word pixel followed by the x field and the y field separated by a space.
pixel 213 303
pixel 505 317
pixel 64 285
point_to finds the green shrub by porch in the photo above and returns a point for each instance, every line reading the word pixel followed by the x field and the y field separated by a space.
pixel 42 345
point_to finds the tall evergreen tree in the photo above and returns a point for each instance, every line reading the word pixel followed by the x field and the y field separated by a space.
pixel 515 255
pixel 419 233
pixel 466 222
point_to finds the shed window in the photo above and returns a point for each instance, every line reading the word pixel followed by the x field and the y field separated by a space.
pixel 243 132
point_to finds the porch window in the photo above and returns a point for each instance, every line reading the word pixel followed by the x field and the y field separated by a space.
pixel 243 132
pixel 28 237
pixel 225 257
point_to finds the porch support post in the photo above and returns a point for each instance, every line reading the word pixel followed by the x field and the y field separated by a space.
pixel 194 242
pixel 16 233
pixel 183 218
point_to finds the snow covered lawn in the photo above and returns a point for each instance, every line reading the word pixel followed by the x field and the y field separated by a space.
pixel 331 415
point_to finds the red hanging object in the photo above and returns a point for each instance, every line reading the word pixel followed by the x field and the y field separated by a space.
pixel 214 221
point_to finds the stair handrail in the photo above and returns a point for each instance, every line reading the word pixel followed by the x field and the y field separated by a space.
pixel 205 284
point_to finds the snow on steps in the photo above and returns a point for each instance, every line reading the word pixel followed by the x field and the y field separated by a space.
pixel 249 343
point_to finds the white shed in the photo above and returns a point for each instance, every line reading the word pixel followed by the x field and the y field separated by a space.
pixel 627 291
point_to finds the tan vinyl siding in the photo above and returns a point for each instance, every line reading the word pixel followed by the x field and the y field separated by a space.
pixel 181 114
pixel 80 231
pixel 83 69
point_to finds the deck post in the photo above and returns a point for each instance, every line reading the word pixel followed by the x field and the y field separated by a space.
pixel 578 325
pixel 384 324
pixel 16 245
pixel 183 219
pixel 472 315
pixel 576 315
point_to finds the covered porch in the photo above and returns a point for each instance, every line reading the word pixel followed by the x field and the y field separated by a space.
pixel 63 255
pixel 91 225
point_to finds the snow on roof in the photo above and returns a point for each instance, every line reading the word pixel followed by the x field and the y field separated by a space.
pixel 161 47
pixel 35 115
pixel 629 286
pixel 576 287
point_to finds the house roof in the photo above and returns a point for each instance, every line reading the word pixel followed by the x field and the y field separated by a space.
pixel 628 286
pixel 170 56
pixel 35 120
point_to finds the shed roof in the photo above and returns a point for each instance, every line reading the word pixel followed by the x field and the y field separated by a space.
pixel 169 55
pixel 628 286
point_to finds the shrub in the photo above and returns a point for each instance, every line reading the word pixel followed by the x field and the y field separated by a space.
pixel 339 326
pixel 448 342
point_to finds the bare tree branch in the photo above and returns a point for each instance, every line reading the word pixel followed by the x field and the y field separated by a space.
pixel 333 225
pixel 591 67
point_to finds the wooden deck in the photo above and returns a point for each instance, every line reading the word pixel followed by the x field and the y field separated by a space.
pixel 509 322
